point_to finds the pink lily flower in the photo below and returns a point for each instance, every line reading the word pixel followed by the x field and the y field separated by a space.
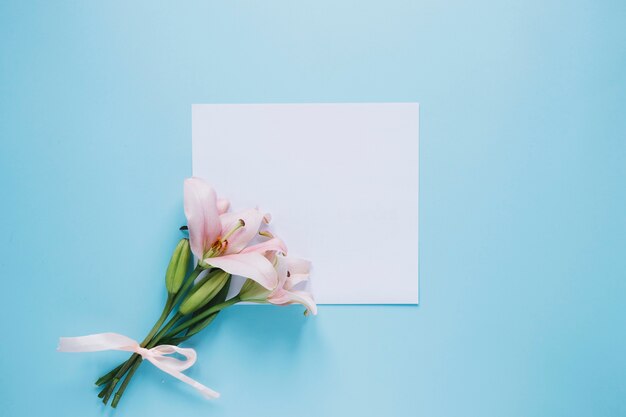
pixel 220 239
pixel 291 272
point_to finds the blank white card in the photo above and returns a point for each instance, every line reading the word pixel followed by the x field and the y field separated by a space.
pixel 340 181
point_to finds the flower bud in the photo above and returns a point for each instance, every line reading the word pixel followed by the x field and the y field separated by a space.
pixel 204 291
pixel 177 269
pixel 253 292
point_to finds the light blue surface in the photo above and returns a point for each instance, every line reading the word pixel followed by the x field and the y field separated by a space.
pixel 522 216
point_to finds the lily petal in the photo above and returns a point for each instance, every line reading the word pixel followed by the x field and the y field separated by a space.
pixel 222 205
pixel 202 215
pixel 298 266
pixel 283 297
pixel 280 264
pixel 240 238
pixel 298 271
pixel 249 265
pixel 274 244
pixel 294 280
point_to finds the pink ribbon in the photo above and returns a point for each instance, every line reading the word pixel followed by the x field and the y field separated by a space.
pixel 157 355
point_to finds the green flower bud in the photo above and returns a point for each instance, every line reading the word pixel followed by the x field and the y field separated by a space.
pixel 204 291
pixel 218 299
pixel 253 292
pixel 177 269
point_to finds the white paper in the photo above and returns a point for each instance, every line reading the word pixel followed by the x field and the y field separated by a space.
pixel 340 180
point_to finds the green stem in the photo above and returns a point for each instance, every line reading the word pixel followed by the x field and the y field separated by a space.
pixel 200 317
pixel 120 391
pixel 164 330
pixel 119 371
pixel 169 306
pixel 167 309
pixel 167 340
pixel 106 378
pixel 190 281
pixel 108 390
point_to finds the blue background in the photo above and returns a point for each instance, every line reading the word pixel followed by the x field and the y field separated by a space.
pixel 522 215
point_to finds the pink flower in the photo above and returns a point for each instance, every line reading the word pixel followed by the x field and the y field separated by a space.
pixel 291 272
pixel 219 239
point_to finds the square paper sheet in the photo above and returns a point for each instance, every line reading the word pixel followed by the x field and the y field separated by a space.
pixel 341 183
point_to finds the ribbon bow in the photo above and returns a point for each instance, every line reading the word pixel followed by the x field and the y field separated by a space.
pixel 157 355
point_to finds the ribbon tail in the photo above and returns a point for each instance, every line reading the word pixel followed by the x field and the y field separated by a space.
pixel 204 390
pixel 96 342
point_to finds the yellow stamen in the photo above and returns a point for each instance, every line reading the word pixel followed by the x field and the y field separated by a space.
pixel 239 225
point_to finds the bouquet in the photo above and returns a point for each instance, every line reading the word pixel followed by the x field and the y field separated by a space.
pixel 223 244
